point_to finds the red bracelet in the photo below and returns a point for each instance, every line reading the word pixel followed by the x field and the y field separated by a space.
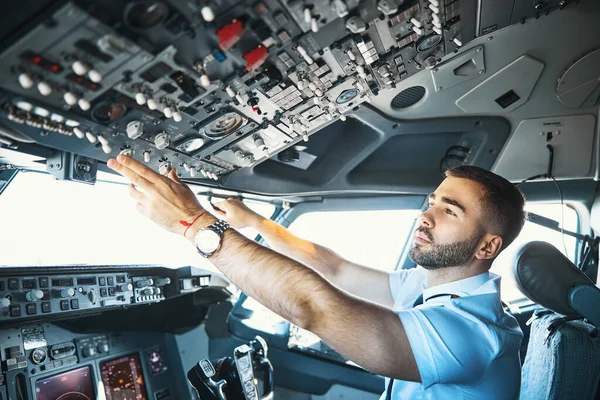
pixel 188 224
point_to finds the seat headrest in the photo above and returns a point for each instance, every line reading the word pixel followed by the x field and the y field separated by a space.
pixel 547 277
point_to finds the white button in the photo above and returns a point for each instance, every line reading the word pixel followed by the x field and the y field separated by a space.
pixel 203 172
pixel 351 55
pixel 319 92
pixel 107 149
pixel 80 68
pixel 314 25
pixel 437 30
pixel 343 117
pixel 25 81
pixel 416 22
pixel 70 98
pixel 204 80
pixel 417 30
pixel 436 24
pixel 177 117
pixel 230 91
pixel 140 98
pixel 434 9
pixel 44 88
pixel 168 111
pixel 305 137
pixel 79 133
pixel 435 2
pixel 307 15
pixel 207 14
pixel 91 137
pixel 146 156
pixel 193 172
pixel 312 86
pixel 152 104
pixel 84 104
pixel 95 76
pixel 102 140
pixel 301 84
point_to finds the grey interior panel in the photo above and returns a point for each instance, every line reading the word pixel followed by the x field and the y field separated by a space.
pixel 354 151
pixel 457 70
pixel 572 138
pixel 518 77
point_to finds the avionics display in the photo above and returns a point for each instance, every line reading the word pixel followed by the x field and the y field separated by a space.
pixel 73 385
pixel 123 378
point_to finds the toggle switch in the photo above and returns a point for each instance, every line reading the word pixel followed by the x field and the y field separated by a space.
pixel 80 68
pixel 140 98
pixel 70 98
pixel 44 88
pixel 84 104
pixel 25 81
pixel 95 76
pixel 79 133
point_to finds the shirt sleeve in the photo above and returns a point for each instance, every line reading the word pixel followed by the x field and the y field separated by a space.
pixel 397 279
pixel 449 346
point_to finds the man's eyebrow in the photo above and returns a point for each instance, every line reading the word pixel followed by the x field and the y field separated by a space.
pixel 452 202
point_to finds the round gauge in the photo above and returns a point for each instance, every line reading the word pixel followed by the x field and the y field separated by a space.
pixel 108 112
pixel 39 356
pixel 156 362
pixel 225 125
pixel 121 379
pixel 146 14
pixel 191 145
pixel 346 96
pixel 428 42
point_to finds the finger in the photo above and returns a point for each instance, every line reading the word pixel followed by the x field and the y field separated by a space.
pixel 139 168
pixel 129 174
pixel 136 194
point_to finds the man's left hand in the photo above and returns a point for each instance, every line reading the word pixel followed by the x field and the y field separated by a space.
pixel 165 200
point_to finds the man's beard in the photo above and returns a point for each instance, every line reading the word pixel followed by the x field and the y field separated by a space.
pixel 444 255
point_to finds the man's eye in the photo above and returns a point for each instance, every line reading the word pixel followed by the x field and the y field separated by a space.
pixel 449 211
pixel 429 205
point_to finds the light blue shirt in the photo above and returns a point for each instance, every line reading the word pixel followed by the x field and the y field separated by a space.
pixel 466 347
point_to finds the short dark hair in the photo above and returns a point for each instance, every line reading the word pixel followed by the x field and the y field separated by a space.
pixel 503 202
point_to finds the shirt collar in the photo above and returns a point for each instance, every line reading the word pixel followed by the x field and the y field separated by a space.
pixel 463 287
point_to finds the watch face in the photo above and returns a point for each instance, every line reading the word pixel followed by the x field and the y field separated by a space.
pixel 207 241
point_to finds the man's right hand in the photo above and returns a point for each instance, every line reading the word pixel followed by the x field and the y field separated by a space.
pixel 237 214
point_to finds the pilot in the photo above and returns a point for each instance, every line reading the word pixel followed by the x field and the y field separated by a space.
pixel 438 331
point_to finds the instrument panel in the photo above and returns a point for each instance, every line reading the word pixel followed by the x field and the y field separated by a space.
pixel 59 293
pixel 55 363
pixel 212 87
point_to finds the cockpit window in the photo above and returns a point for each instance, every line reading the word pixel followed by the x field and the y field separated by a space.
pixel 375 238
pixel 44 221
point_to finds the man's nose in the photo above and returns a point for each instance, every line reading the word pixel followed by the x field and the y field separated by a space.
pixel 426 219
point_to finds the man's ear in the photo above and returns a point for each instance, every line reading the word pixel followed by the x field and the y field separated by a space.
pixel 490 247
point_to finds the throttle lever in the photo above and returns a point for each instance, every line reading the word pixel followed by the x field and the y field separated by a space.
pixel 200 376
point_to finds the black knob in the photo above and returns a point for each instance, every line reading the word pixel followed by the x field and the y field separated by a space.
pixel 89 351
pixel 125 287
pixel 144 282
pixel 103 348
pixel 163 281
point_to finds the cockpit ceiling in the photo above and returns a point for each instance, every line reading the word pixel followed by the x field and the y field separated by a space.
pixel 308 97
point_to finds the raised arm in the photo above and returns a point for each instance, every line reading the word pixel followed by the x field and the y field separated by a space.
pixel 366 333
pixel 361 281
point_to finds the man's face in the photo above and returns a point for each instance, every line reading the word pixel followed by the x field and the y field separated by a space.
pixel 450 230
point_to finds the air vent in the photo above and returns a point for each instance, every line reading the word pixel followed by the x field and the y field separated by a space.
pixel 408 97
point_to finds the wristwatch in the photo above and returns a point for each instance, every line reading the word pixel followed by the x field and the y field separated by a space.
pixel 208 240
